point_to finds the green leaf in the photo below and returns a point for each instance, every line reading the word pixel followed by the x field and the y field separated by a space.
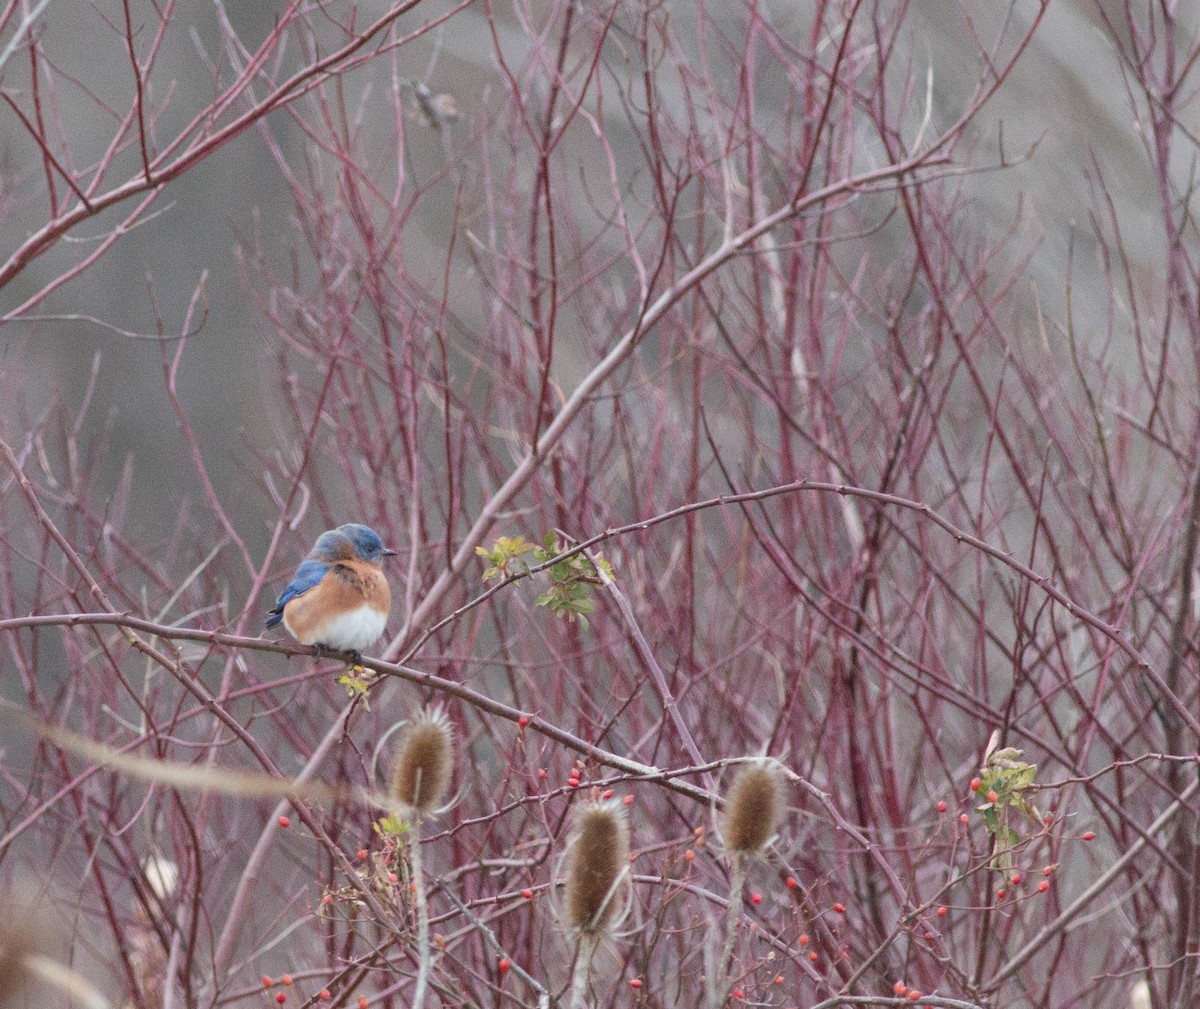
pixel 1009 778
pixel 504 556
pixel 357 682
pixel 391 826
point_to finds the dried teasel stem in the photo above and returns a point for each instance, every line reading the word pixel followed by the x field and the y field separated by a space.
pixel 424 954
pixel 598 860
pixel 420 779
pixel 588 944
pixel 753 807
pixel 721 983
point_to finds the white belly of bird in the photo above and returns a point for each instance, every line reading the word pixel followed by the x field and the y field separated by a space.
pixel 353 631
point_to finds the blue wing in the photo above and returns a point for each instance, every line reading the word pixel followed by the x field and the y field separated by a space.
pixel 308 575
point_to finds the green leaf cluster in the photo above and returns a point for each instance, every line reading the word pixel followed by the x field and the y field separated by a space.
pixel 504 557
pixel 1009 777
pixel 571 578
pixel 571 581
pixel 391 826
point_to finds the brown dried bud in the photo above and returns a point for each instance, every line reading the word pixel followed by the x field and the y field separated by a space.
pixel 753 806
pixel 424 762
pixel 599 856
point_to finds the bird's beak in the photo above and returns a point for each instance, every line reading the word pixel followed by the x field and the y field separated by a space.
pixel 390 553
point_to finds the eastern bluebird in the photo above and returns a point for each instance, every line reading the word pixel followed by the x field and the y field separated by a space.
pixel 339 598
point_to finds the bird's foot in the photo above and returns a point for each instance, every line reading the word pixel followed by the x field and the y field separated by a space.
pixel 351 656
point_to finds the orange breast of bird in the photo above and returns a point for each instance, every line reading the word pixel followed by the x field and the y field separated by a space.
pixel 349 586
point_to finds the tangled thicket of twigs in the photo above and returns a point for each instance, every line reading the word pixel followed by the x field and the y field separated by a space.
pixel 711 415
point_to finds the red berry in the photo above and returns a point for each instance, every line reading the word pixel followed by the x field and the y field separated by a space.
pixel 628 800
pixel 327 899
pixel 1043 886
pixel 522 721
pixel 1089 835
pixel 1001 893
pixel 284 821
pixel 803 940
pixel 779 979
pixel 756 898
pixel 1049 870
pixel 527 893
pixel 267 982
pixel 900 988
pixel 572 783
pixel 942 912
pixel 914 995
pixel 606 794
pixel 635 983
pixel 504 964
pixel 281 998
pixel 963 818
pixel 362 1003
pixel 813 956
pixel 992 796
pixel 325 994
pixel 840 908
pixel 791 883
pixel 393 878
pixel 689 855
pixel 362 854
pixel 941 806
pixel 976 784
pixel 1016 880
pixel 737 993
pixel 286 979
pixel 541 774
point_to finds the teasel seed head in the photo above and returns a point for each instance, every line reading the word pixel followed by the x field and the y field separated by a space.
pixel 424 762
pixel 598 858
pixel 26 936
pixel 753 806
pixel 162 876
pixel 15 979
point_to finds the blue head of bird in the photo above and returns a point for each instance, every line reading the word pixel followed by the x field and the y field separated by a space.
pixel 350 541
